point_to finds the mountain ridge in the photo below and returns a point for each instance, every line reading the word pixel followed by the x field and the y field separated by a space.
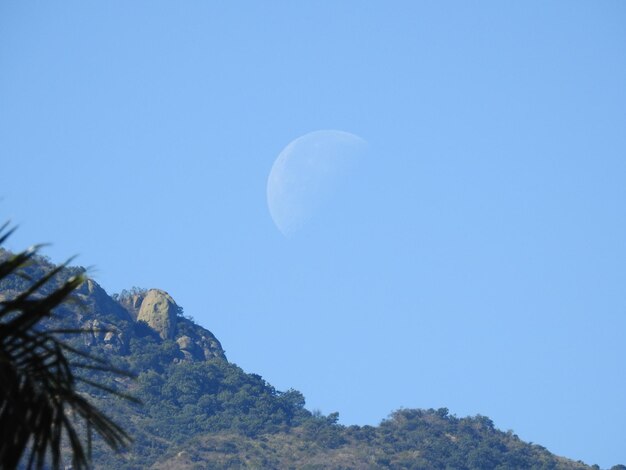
pixel 199 410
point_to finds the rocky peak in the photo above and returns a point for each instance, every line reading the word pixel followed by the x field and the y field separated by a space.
pixel 112 323
pixel 157 309
pixel 160 312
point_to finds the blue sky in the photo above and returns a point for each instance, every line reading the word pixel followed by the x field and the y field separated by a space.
pixel 481 264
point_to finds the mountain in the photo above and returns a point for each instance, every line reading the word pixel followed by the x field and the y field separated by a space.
pixel 199 410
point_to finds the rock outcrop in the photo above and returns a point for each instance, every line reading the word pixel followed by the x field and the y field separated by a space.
pixel 117 324
pixel 97 302
pixel 132 302
pixel 160 312
pixel 197 343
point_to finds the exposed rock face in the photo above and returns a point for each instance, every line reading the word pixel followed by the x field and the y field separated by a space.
pixel 201 345
pixel 210 346
pixel 100 313
pixel 132 303
pixel 154 307
pixel 110 323
pixel 97 302
pixel 159 311
pixel 113 338
pixel 189 349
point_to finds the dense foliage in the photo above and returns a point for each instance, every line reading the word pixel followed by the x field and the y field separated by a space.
pixel 409 439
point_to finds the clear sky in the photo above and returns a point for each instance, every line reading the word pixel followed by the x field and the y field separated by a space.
pixel 481 263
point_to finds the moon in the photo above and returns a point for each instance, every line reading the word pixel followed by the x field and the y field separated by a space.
pixel 308 173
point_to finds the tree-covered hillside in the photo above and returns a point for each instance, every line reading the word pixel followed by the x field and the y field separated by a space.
pixel 199 410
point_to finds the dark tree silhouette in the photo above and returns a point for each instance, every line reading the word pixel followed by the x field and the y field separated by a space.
pixel 40 406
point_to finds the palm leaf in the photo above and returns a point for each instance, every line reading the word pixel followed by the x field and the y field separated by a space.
pixel 39 402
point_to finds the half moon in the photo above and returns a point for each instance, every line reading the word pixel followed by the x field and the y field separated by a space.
pixel 308 173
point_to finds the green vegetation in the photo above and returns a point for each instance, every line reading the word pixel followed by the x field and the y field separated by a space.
pixel 409 439
pixel 200 411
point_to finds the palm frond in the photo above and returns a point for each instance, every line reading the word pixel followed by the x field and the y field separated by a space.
pixel 40 405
